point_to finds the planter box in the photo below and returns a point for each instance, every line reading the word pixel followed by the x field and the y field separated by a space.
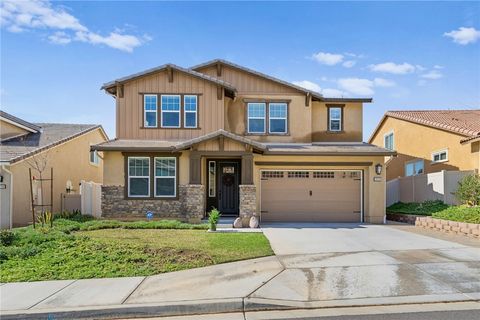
pixel 447 226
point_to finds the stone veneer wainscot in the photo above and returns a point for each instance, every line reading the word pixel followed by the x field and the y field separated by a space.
pixel 188 207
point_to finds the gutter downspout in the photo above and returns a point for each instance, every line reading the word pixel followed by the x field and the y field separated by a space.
pixel 4 168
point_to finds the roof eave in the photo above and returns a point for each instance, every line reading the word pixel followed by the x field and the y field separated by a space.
pixel 333 153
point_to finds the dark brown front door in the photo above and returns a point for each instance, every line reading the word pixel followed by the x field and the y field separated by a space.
pixel 228 181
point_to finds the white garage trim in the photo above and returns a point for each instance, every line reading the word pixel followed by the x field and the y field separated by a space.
pixel 361 171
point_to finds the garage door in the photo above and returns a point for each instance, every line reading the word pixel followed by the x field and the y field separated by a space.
pixel 311 196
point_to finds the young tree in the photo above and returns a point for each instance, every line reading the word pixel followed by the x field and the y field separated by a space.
pixel 468 191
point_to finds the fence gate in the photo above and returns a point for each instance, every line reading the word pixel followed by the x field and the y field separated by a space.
pixel 91 197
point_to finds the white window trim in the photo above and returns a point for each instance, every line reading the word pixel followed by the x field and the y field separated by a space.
pixel 393 139
pixel 278 118
pixel 414 161
pixel 129 177
pixel 170 111
pixel 438 153
pixel 330 119
pixel 185 111
pixel 155 177
pixel 256 118
pixel 145 111
pixel 95 157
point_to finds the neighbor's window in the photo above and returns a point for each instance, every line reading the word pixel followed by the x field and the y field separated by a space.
pixel 94 157
pixel 413 168
pixel 277 115
pixel 190 109
pixel 440 156
pixel 256 117
pixel 138 176
pixel 335 119
pixel 211 178
pixel 150 110
pixel 170 111
pixel 165 177
pixel 388 141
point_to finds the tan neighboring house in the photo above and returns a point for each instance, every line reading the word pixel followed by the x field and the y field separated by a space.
pixel 429 141
pixel 225 136
pixel 65 147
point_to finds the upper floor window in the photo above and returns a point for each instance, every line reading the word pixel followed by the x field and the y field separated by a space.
pixel 277 115
pixel 170 111
pixel 150 110
pixel 388 141
pixel 165 176
pixel 256 117
pixel 413 168
pixel 440 156
pixel 138 176
pixel 94 159
pixel 190 111
pixel 334 119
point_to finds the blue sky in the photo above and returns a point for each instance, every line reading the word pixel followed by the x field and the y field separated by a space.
pixel 56 55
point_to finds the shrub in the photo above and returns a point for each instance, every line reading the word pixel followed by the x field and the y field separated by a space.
pixel 468 191
pixel 213 217
pixel 424 208
pixel 460 214
pixel 7 237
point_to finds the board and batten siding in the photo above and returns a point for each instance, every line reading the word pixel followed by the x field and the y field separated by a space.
pixel 130 107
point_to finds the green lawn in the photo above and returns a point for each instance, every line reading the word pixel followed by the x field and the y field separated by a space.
pixel 118 249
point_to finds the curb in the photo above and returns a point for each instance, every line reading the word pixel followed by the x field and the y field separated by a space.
pixel 130 311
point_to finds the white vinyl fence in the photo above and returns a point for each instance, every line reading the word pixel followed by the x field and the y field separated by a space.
pixel 91 198
pixel 432 186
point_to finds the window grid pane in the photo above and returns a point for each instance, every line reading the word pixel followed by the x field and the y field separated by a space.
pixel 138 176
pixel 190 103
pixel 335 119
pixel 165 177
pixel 150 110
pixel 256 117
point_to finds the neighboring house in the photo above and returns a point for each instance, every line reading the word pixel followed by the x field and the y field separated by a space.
pixel 429 141
pixel 221 135
pixel 65 147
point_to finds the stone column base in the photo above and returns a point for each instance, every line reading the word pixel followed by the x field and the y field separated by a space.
pixel 248 203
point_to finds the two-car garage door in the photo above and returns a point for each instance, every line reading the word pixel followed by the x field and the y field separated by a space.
pixel 311 196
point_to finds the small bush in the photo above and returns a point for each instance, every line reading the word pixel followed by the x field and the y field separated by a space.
pixel 460 214
pixel 7 237
pixel 424 208
pixel 468 191
pixel 213 217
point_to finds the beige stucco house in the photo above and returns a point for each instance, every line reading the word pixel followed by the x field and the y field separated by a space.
pixel 429 141
pixel 225 136
pixel 63 147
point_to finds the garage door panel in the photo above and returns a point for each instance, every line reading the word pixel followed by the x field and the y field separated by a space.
pixel 322 196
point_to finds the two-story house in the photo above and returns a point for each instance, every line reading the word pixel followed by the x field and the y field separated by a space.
pixel 429 141
pixel 225 136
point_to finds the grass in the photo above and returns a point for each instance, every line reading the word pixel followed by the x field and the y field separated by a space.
pixel 459 213
pixel 426 208
pixel 108 248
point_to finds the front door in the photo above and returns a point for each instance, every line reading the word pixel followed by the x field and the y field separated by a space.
pixel 228 181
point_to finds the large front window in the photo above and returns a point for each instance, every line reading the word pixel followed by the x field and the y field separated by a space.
pixel 138 176
pixel 256 117
pixel 170 111
pixel 165 176
pixel 277 115
pixel 150 110
pixel 335 119
pixel 413 168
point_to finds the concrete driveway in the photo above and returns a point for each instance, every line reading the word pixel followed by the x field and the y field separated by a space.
pixel 333 263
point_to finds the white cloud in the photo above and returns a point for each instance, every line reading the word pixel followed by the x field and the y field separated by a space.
pixel 20 16
pixel 60 37
pixel 329 59
pixel 390 67
pixel 327 92
pixel 308 85
pixel 380 82
pixel 463 35
pixel 432 75
pixel 349 63
pixel 363 87
pixel 438 66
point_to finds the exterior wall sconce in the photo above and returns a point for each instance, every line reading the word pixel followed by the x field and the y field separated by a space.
pixel 378 169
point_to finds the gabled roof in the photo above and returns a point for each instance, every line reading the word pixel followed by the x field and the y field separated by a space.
pixel 219 133
pixel 113 84
pixel 7 117
pixel 52 134
pixel 316 95
pixel 462 122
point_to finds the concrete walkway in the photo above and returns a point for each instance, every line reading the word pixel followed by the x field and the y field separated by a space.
pixel 317 266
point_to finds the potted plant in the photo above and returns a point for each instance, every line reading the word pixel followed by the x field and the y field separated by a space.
pixel 213 217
